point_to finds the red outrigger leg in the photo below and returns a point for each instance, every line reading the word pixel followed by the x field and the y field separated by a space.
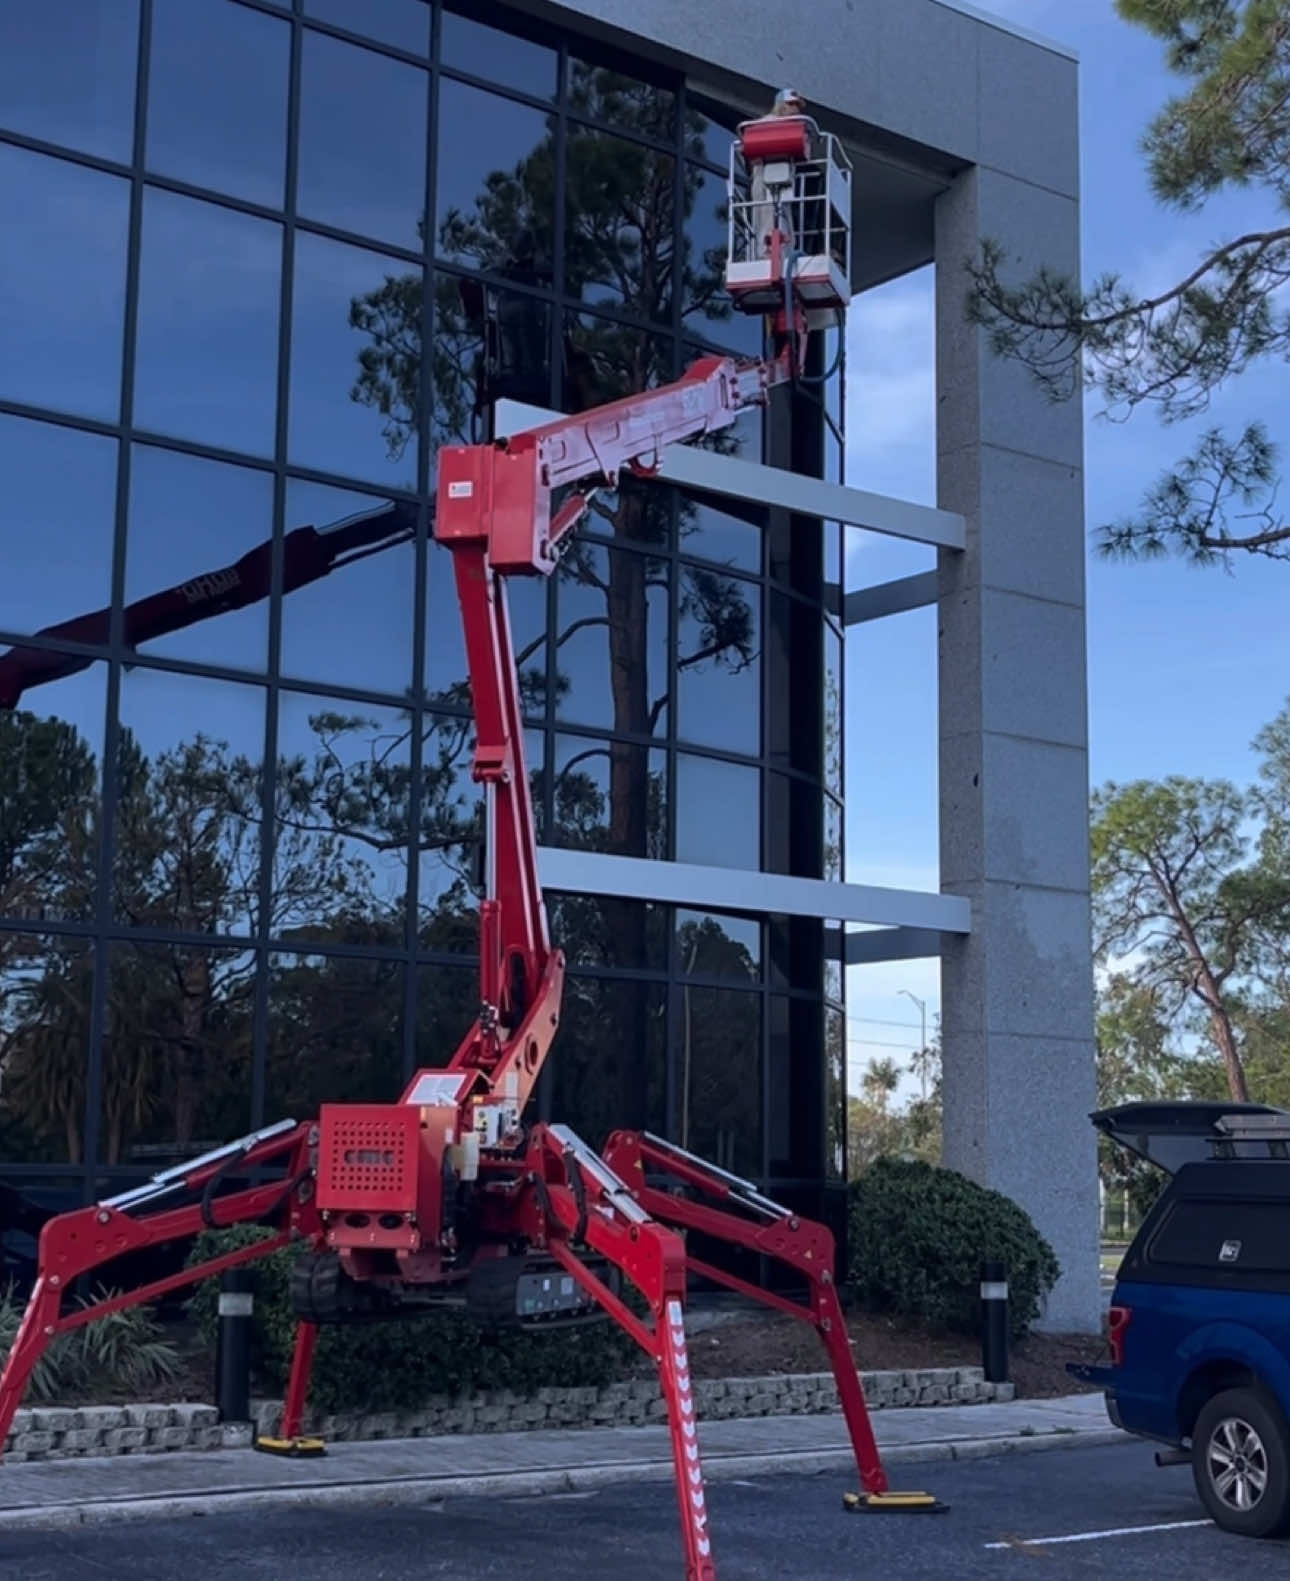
pixel 774 1231
pixel 74 1244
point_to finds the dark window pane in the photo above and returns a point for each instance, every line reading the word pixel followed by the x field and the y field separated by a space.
pixel 51 749
pixel 705 307
pixel 712 944
pixel 177 1042
pixel 621 100
pixel 188 803
pixel 352 626
pixel 833 551
pixel 58 540
pixel 612 640
pixel 610 796
pixel 795 1079
pixel 495 183
pixel 619 224
pixel 67 73
pixel 719 661
pixel 609 1058
pixel 207 57
pixel 335 1032
pixel 362 141
pixel 341 854
pixel 46 987
pixel 1195 1234
pixel 718 1112
pixel 518 365
pixel 604 361
pixel 355 362
pixel 447 1004
pixel 794 659
pixel 207 356
pixel 718 813
pixel 796 944
pixel 833 717
pixel 709 132
pixel 501 57
pixel 200 534
pixel 62 287
pixel 835 1095
pixel 403 23
pixel 605 931
pixel 711 533
pixel 834 944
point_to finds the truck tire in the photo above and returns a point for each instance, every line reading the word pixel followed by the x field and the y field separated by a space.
pixel 1241 1463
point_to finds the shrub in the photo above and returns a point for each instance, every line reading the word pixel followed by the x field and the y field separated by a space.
pixel 399 1366
pixel 120 1352
pixel 918 1234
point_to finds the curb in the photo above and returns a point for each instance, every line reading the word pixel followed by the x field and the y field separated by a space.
pixel 425 1492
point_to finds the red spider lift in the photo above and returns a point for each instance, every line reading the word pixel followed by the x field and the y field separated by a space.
pixel 450 1196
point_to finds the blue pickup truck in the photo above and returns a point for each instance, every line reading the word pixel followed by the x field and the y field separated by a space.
pixel 1199 1325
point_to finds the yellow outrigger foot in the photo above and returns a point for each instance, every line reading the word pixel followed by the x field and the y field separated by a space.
pixel 290 1446
pixel 893 1504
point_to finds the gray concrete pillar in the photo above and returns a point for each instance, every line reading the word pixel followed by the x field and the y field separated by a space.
pixel 1017 993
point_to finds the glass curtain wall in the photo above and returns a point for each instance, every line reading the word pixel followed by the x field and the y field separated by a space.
pixel 262 250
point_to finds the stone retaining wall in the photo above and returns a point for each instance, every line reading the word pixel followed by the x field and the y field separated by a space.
pixel 61 1433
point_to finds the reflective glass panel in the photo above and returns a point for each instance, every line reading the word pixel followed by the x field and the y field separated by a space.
pixel 446 677
pixel 355 362
pixel 708 136
pixel 51 756
pixel 57 539
pixel 67 73
pixel 189 803
pixel 451 836
pixel 622 101
pixel 46 992
pixel 619 229
pixel 718 813
pixel 835 1094
pixel 605 360
pixel 62 288
pixel 718 661
pixel 611 638
pixel 342 802
pixel 403 23
pixel 447 1004
pixel 715 944
pixel 206 57
pixel 711 533
pixel 335 1032
pixel 518 366
pixel 610 796
pixel 177 1040
pixel 606 931
pixel 705 306
pixel 207 357
pixel 496 185
pixel 351 625
pixel 502 57
pixel 833 716
pixel 718 1109
pixel 200 535
pixel 609 1065
pixel 363 120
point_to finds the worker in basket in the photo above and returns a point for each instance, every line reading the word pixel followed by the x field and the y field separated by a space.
pixel 788 101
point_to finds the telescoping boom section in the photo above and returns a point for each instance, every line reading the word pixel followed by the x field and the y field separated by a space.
pixel 452 1195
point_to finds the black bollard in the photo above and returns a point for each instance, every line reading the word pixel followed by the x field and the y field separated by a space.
pixel 233 1359
pixel 994 1321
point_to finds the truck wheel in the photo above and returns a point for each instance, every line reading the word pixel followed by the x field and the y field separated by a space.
pixel 1241 1463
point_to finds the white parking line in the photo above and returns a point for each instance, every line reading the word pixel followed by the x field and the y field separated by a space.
pixel 1092 1537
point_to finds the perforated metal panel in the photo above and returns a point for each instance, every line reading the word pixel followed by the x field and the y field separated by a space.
pixel 367 1158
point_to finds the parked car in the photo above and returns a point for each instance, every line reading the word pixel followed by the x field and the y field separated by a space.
pixel 1199 1324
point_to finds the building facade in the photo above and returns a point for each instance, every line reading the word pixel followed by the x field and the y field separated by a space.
pixel 267 255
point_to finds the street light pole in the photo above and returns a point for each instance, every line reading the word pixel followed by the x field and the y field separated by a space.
pixel 922 1047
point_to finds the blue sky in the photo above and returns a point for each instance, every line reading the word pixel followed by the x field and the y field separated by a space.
pixel 1185 665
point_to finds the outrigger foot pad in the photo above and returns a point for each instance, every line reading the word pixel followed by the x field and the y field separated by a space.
pixel 893 1504
pixel 295 1447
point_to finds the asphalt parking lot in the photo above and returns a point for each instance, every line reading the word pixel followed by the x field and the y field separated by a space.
pixel 1073 1512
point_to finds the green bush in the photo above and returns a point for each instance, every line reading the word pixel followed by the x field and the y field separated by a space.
pixel 399 1366
pixel 120 1352
pixel 918 1234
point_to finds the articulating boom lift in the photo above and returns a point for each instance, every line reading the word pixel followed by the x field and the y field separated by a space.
pixel 449 1195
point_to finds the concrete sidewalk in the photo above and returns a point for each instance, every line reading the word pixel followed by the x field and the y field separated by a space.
pixel 424 1471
